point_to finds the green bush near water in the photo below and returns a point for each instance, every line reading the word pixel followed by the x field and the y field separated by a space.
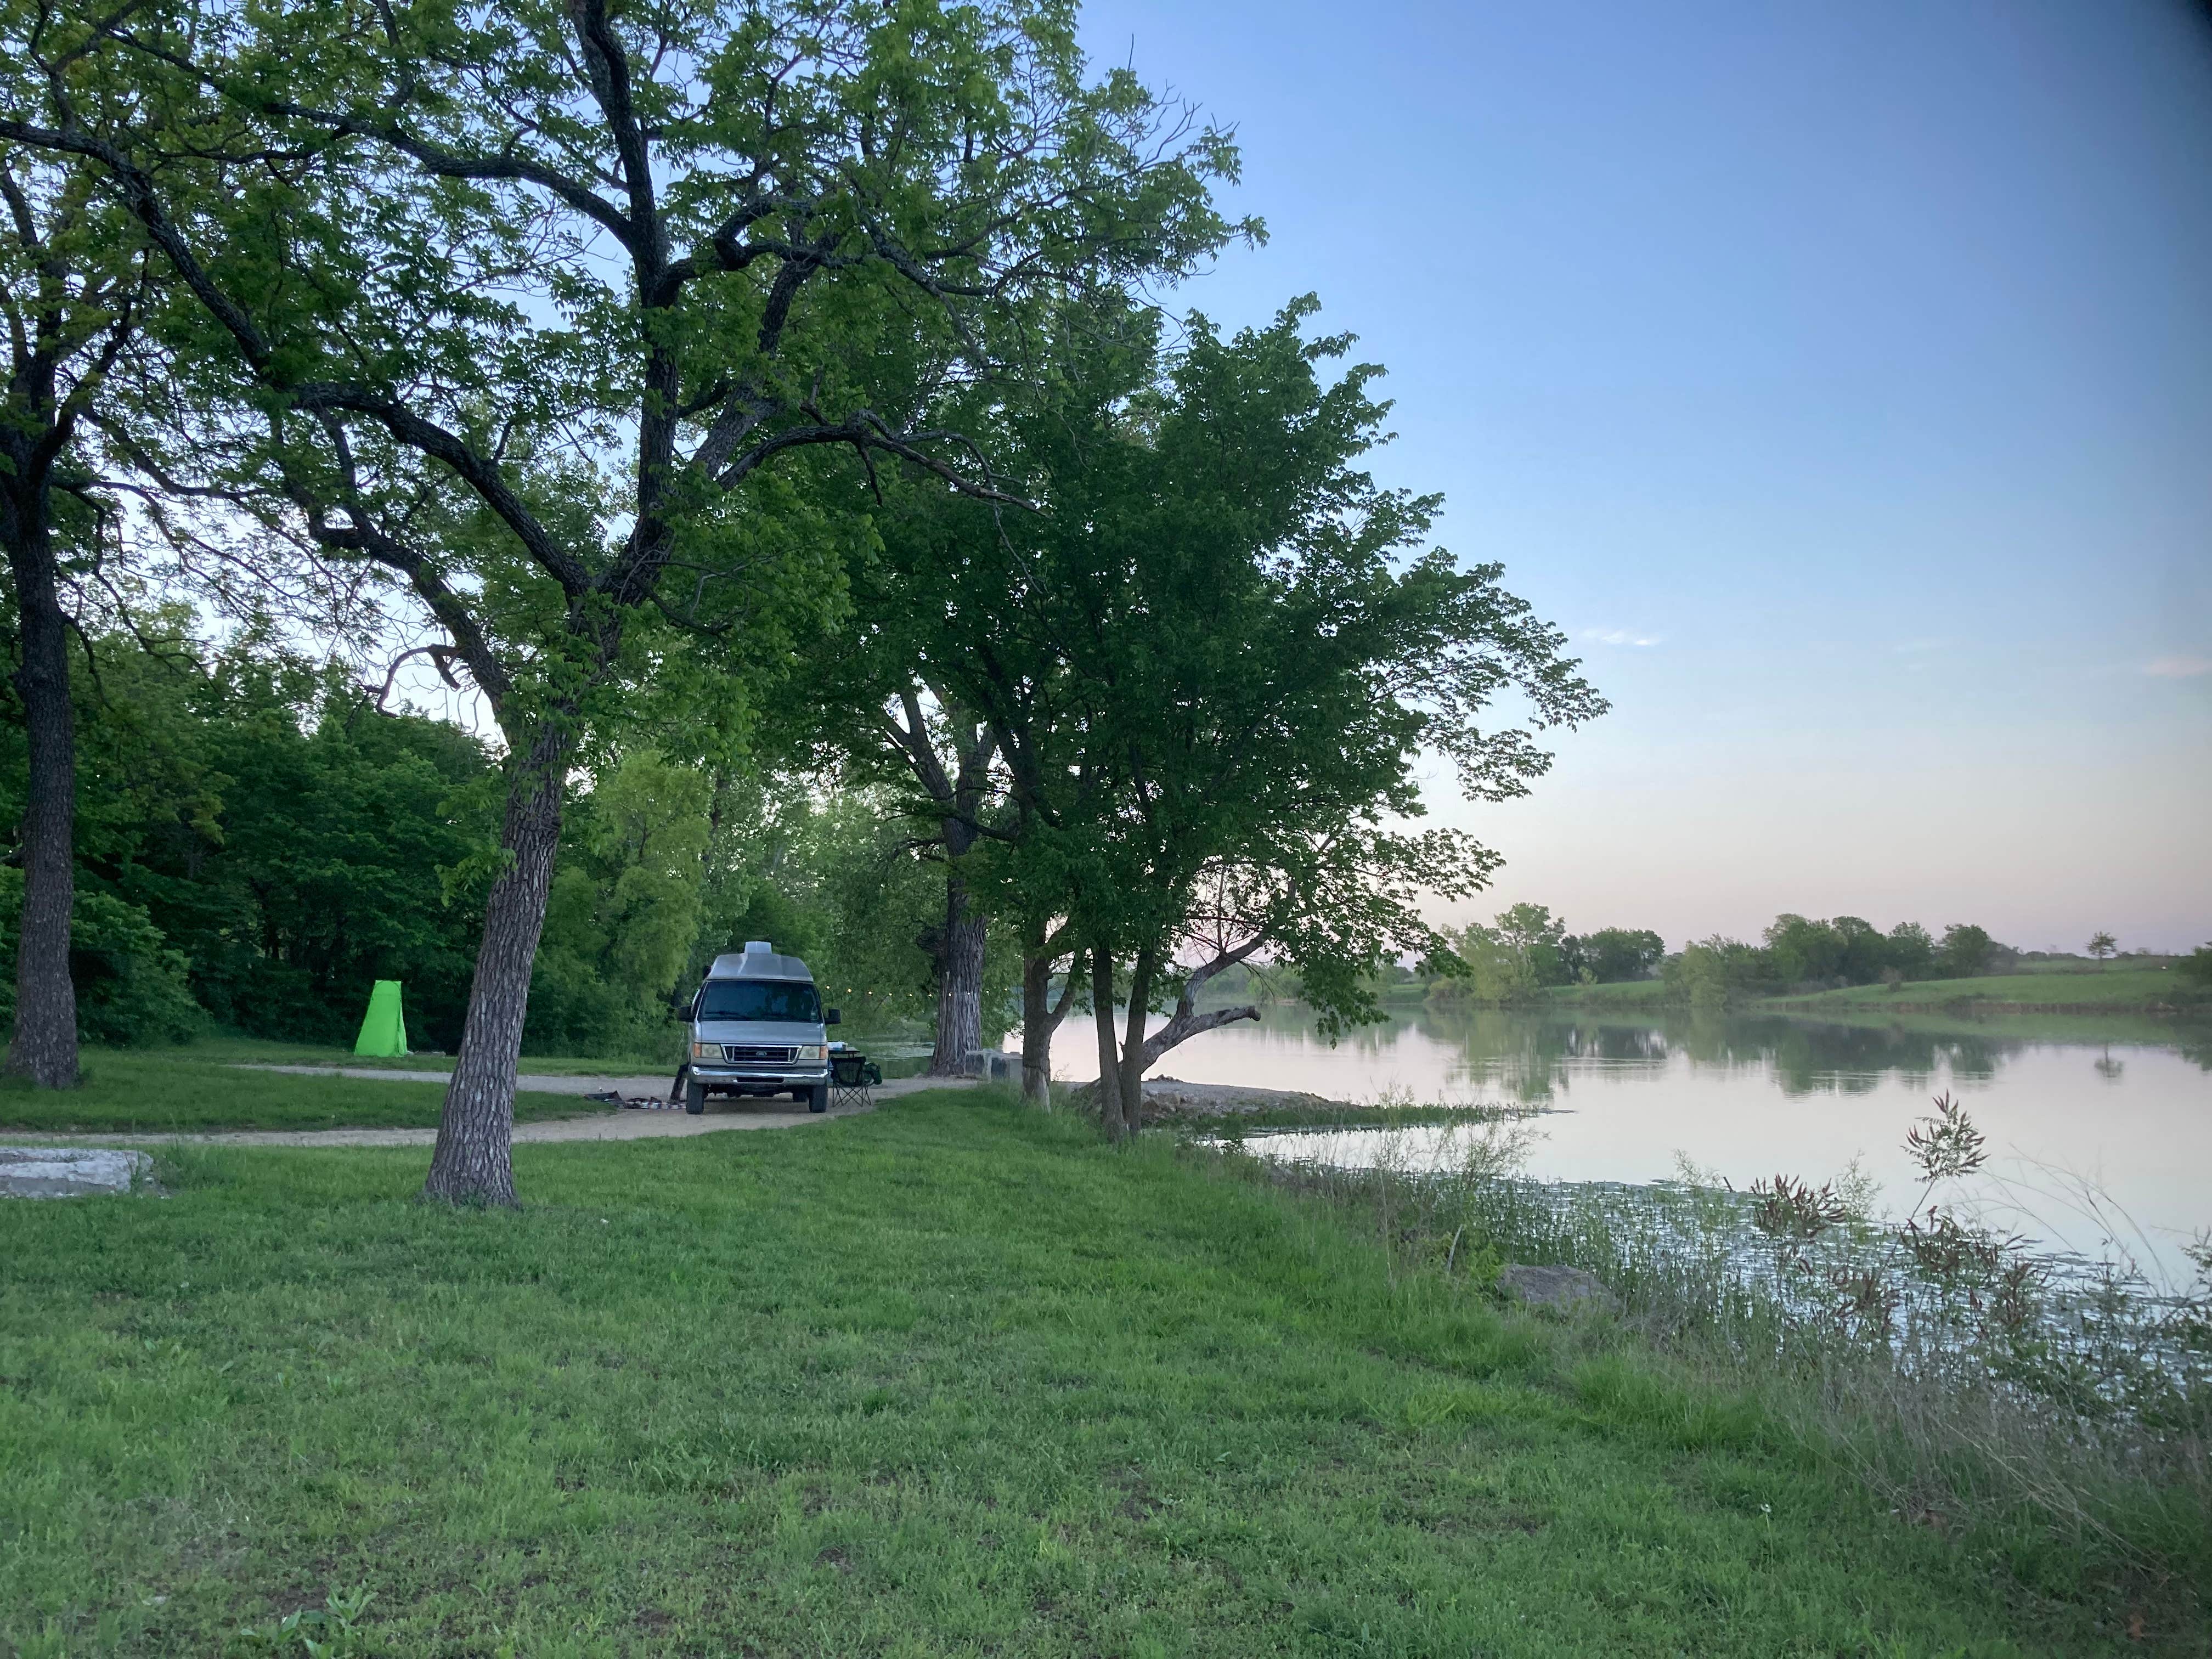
pixel 949 1378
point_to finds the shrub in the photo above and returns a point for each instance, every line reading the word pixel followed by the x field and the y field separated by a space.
pixel 131 988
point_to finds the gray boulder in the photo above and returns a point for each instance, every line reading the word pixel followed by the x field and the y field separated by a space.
pixel 69 1171
pixel 1552 1287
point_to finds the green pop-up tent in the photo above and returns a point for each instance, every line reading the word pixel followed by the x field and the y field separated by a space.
pixel 383 1028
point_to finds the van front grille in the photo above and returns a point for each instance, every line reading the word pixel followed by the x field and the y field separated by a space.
pixel 757 1056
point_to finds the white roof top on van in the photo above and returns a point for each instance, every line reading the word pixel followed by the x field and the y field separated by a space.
pixel 759 960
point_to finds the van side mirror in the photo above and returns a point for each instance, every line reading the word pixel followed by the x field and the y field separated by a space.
pixel 830 1019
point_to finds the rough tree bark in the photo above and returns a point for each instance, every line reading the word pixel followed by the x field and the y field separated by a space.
pixel 473 1161
pixel 44 1048
pixel 958 794
pixel 1129 1071
pixel 1110 1054
pixel 1041 1018
pixel 959 975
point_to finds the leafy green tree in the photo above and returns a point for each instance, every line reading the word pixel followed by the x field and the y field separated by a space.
pixel 2197 967
pixel 75 285
pixel 1613 955
pixel 1908 951
pixel 1209 684
pixel 129 987
pixel 1708 973
pixel 1538 938
pixel 262 820
pixel 1865 952
pixel 1523 951
pixel 1495 972
pixel 569 296
pixel 2102 945
pixel 624 910
pixel 1800 951
pixel 1964 951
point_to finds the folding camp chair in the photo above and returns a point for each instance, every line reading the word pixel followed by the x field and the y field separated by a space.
pixel 853 1076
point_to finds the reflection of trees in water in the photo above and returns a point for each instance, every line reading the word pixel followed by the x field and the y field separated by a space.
pixel 1854 1059
pixel 1532 1055
pixel 2195 1044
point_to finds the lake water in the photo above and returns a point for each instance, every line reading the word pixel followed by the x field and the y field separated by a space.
pixel 1754 1096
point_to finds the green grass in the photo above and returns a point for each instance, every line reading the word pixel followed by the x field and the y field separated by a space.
pixel 161 1091
pixel 1625 994
pixel 2116 987
pixel 263 1051
pixel 949 1378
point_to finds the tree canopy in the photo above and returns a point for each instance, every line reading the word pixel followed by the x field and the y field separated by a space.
pixel 554 315
pixel 765 411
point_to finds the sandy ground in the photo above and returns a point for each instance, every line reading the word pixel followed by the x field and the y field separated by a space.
pixel 721 1113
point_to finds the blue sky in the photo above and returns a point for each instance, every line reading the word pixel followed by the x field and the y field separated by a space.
pixel 1840 375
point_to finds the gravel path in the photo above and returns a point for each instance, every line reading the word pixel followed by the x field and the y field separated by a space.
pixel 617 1125
pixel 656 1086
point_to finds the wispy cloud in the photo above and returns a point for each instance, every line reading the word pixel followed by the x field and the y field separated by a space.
pixel 2178 668
pixel 1619 636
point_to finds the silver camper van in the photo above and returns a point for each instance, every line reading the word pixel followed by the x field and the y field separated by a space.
pixel 757 1028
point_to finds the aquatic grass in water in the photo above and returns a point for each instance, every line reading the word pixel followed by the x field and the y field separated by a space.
pixel 1962 1373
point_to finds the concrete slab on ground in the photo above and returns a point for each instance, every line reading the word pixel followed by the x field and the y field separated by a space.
pixel 67 1171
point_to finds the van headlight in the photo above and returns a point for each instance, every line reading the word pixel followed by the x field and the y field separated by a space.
pixel 706 1051
pixel 808 1052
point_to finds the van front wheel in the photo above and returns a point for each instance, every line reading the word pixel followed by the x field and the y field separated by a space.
pixel 817 1099
pixel 694 1096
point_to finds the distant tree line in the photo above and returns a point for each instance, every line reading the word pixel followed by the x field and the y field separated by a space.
pixel 1526 950
pixel 1798 953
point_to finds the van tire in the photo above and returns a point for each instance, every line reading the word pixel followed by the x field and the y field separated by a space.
pixel 817 1099
pixel 694 1096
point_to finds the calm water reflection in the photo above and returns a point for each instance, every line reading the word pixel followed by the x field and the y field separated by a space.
pixel 1752 1095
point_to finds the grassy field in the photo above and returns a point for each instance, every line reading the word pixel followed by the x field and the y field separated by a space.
pixel 159 1091
pixel 1626 995
pixel 2116 987
pixel 950 1378
pixel 262 1051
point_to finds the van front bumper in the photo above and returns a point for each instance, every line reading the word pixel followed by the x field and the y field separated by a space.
pixel 755 1077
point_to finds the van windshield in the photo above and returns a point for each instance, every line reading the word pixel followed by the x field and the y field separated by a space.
pixel 791 999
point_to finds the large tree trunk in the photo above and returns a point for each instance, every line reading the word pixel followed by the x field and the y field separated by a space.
pixel 1109 1052
pixel 1130 1074
pixel 1041 1018
pixel 44 1048
pixel 959 981
pixel 473 1161
pixel 1036 1030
